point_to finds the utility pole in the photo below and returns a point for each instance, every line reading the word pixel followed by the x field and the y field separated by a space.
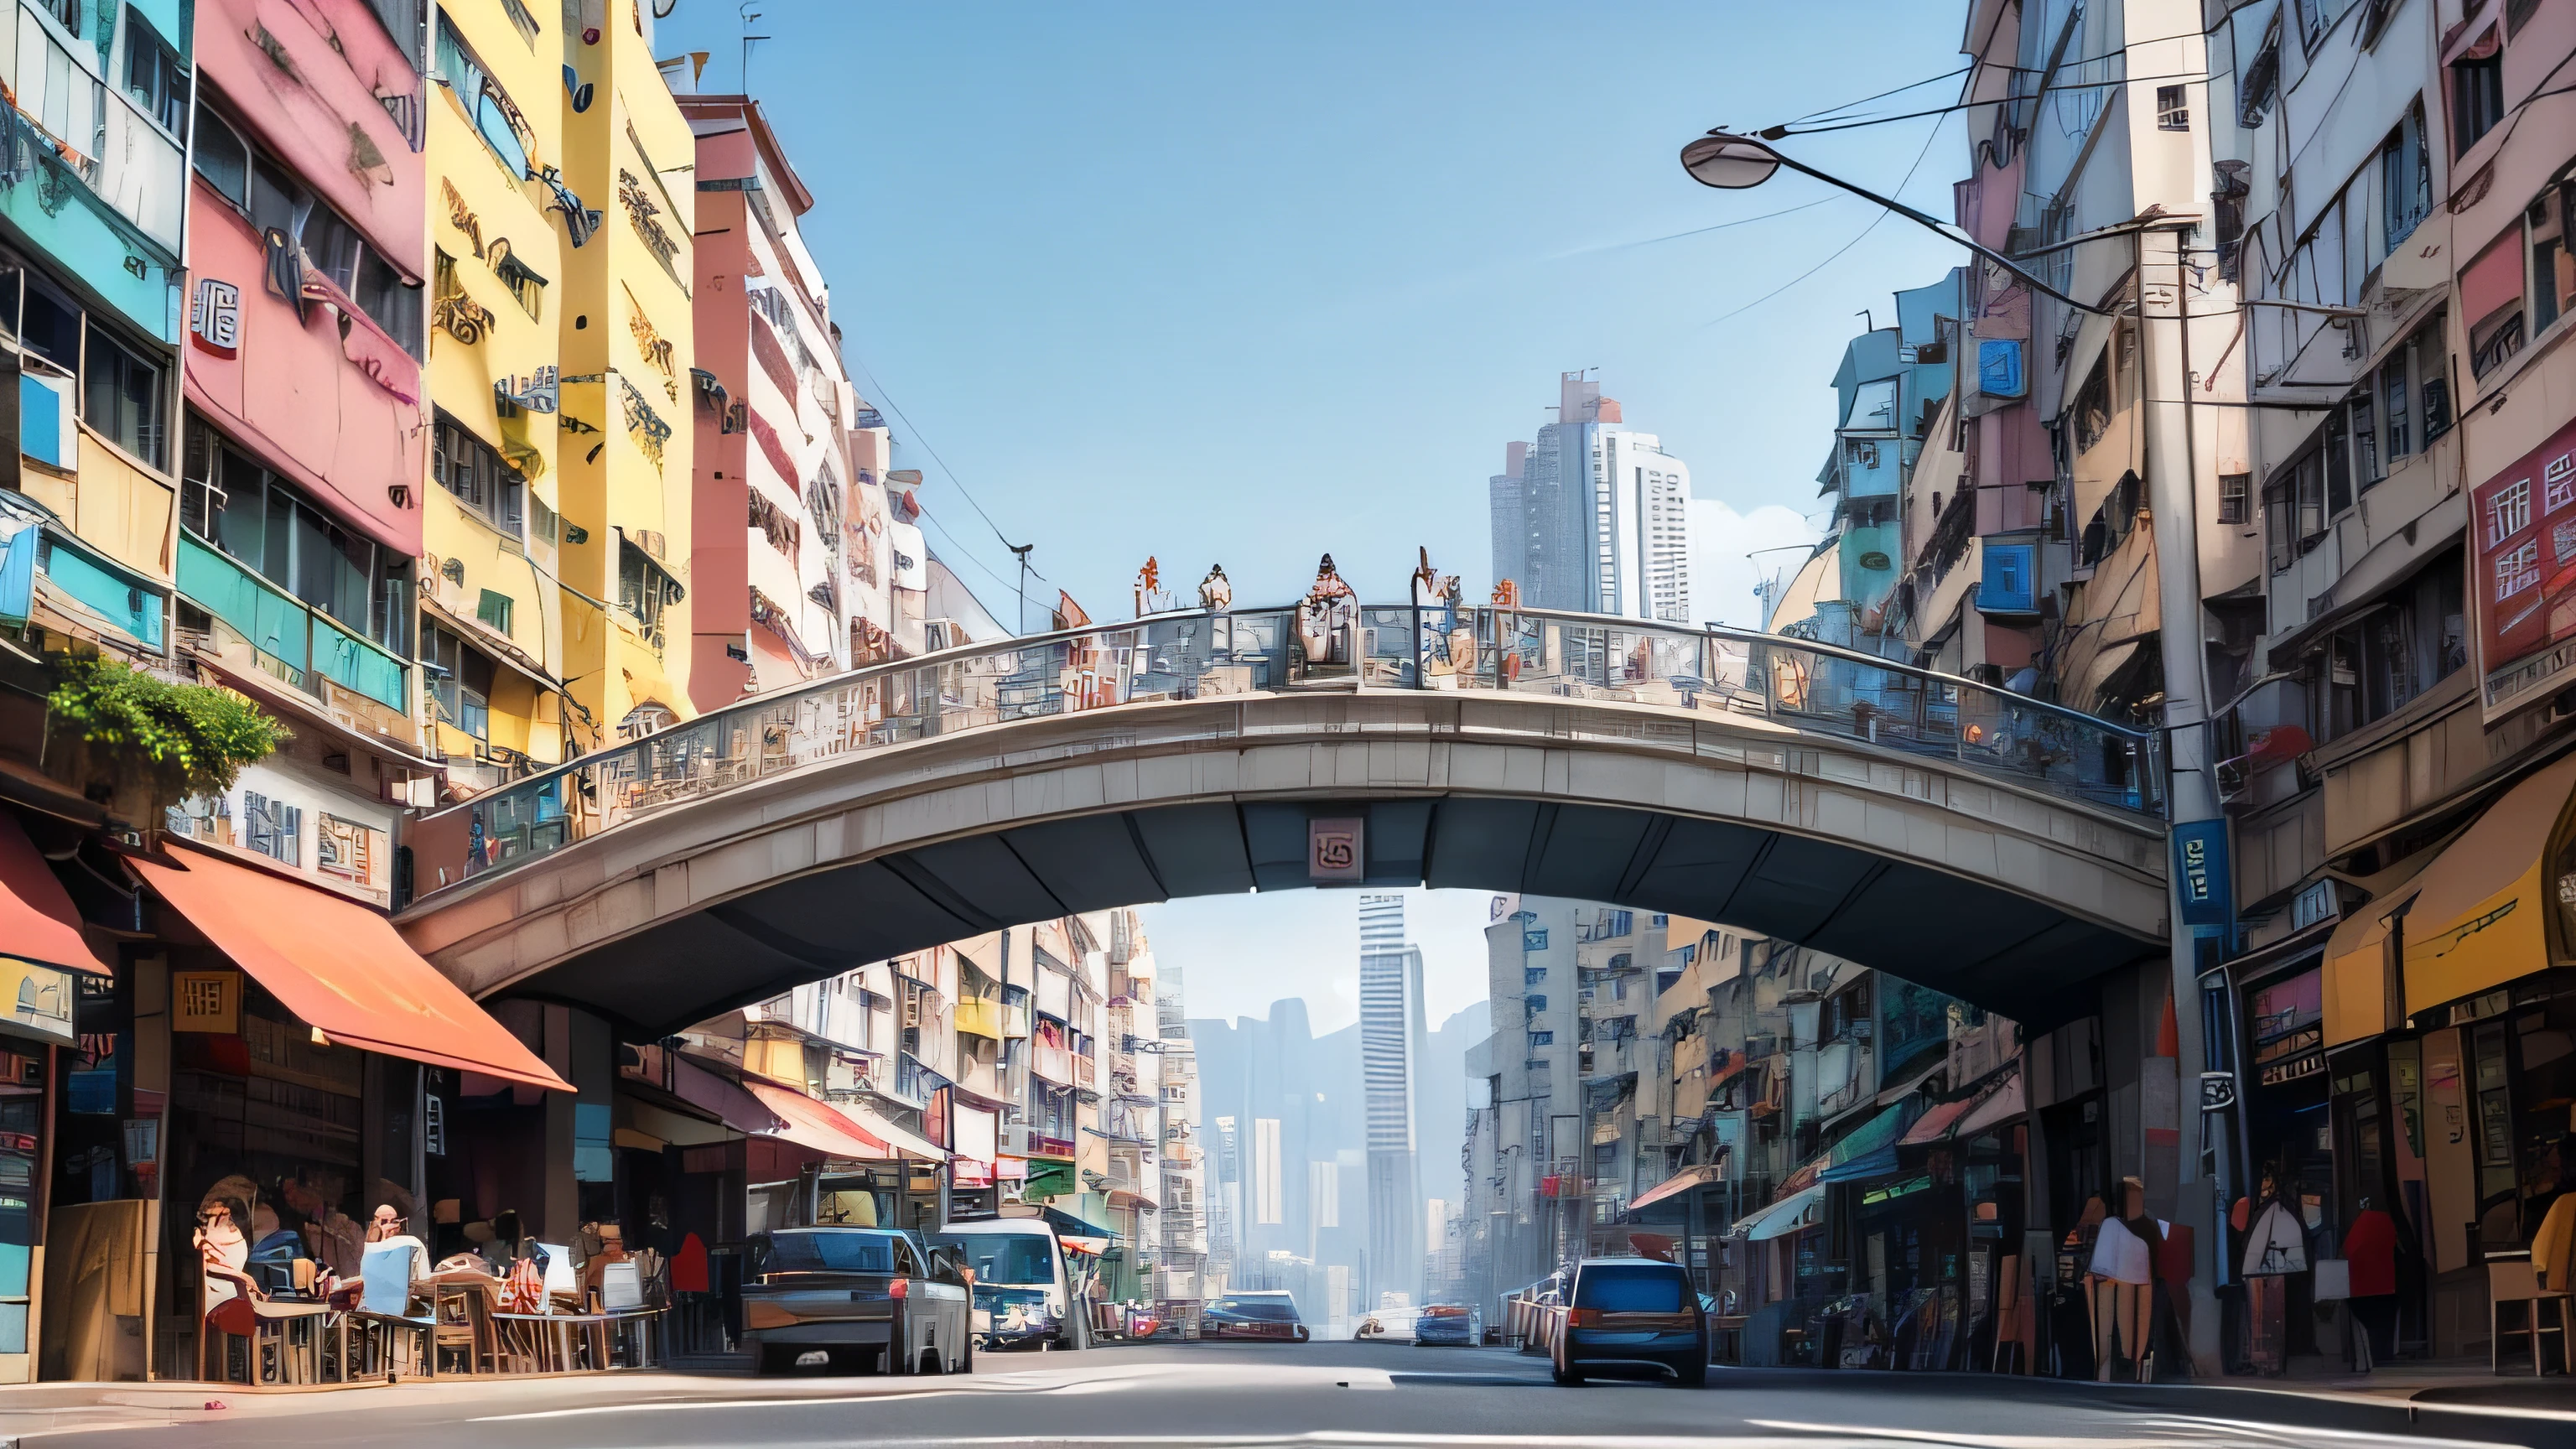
pixel 1020 625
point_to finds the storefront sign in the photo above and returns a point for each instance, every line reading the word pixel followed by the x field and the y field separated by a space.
pixel 207 1001
pixel 40 1000
pixel 2217 1091
pixel 2523 524
pixel 1334 851
pixel 2200 872
pixel 2288 1027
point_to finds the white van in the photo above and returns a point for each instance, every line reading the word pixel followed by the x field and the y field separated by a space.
pixel 1023 1290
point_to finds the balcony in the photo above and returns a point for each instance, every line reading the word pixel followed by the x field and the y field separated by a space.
pixel 1086 1072
pixel 1051 1062
pixel 289 639
pixel 980 1016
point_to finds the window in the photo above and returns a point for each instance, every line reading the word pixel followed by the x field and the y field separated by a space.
pixel 273 827
pixel 267 524
pixel 2392 399
pixel 2477 94
pixel 2405 180
pixel 1542 1038
pixel 222 157
pixel 2338 463
pixel 2092 410
pixel 2365 439
pixel 2408 640
pixel 468 467
pixel 66 13
pixel 2235 497
pixel 153 77
pixel 2173 111
pixel 496 119
pixel 519 16
pixel 460 681
pixel 122 397
pixel 2552 271
pixel 644 587
pixel 1533 976
pixel 333 247
pixel 494 609
pixel 523 281
pixel 2317 18
pixel 2492 292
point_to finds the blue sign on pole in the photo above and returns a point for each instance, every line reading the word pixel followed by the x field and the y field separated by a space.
pixel 2200 873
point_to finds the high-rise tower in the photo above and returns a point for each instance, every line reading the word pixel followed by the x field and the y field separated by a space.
pixel 1594 516
pixel 1391 1047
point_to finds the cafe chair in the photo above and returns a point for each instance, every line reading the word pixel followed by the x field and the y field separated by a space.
pixel 2515 1282
pixel 395 1339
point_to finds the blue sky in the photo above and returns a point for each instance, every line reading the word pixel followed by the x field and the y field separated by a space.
pixel 1247 283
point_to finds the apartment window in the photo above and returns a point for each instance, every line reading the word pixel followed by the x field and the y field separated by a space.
pixel 267 525
pixel 2235 497
pixel 273 827
pixel 644 587
pixel 494 610
pixel 496 118
pixel 2477 94
pixel 153 76
pixel 2405 179
pixel 333 247
pixel 2553 272
pixel 519 17
pixel 2338 463
pixel 2317 18
pixel 480 478
pixel 66 13
pixel 2401 645
pixel 222 157
pixel 460 681
pixel 123 398
pixel 525 285
pixel 2173 111
pixel 2492 292
pixel 2092 410
pixel 1533 976
pixel 1542 1038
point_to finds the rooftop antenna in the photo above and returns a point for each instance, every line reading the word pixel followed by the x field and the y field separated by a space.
pixel 748 16
pixel 1867 322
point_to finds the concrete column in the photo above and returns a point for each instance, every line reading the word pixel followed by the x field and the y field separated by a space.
pixel 2175 453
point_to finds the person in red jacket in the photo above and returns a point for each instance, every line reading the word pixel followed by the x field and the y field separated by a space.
pixel 2370 1247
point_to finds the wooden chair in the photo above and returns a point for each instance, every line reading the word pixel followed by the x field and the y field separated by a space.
pixel 2512 1281
pixel 463 1310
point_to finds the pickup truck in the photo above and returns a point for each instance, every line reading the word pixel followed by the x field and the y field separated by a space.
pixel 856 1297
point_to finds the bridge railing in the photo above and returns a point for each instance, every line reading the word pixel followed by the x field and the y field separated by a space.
pixel 1817 688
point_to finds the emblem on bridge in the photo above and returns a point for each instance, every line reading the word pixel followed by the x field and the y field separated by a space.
pixel 1335 851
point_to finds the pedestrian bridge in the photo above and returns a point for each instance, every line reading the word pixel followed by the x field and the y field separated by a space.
pixel 1954 834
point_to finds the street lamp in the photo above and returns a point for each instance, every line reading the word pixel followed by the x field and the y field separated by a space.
pixel 1730 162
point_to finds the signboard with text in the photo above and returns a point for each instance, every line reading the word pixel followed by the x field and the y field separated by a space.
pixel 2522 527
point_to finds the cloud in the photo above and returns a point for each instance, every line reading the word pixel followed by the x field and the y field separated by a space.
pixel 1722 574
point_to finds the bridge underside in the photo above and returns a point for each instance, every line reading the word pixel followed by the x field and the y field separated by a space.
pixel 2009 953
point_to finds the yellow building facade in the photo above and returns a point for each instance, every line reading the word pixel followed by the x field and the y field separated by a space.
pixel 492 626
pixel 626 342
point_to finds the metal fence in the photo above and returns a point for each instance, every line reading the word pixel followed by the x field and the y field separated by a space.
pixel 1818 688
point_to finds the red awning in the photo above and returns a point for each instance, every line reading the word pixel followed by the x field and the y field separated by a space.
pixel 813 1124
pixel 37 920
pixel 340 967
pixel 1934 1125
pixel 1689 1177
pixel 719 1098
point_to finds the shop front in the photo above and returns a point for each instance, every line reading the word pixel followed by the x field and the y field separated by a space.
pixel 271 1064
pixel 56 993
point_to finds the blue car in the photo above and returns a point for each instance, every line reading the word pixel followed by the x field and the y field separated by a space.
pixel 1632 1313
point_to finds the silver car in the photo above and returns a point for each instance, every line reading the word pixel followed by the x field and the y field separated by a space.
pixel 853 1298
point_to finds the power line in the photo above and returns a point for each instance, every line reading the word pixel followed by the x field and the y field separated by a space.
pixel 1854 124
pixel 1695 231
pixel 1847 246
pixel 1883 95
pixel 878 389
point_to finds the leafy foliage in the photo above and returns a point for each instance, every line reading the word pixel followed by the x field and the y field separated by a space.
pixel 137 729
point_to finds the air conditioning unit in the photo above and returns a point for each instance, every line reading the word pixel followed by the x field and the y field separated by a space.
pixel 1018 1139
pixel 912 1009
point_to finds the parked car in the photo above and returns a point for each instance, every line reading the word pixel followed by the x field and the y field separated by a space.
pixel 1632 1312
pixel 855 1297
pixel 1263 1314
pixel 1023 1291
pixel 1387 1323
pixel 1444 1323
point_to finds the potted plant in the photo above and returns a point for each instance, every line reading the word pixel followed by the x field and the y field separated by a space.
pixel 137 744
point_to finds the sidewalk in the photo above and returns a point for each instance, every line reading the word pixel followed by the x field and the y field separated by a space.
pixel 28 1411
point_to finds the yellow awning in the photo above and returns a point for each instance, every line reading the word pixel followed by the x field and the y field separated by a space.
pixel 2479 915
pixel 2355 984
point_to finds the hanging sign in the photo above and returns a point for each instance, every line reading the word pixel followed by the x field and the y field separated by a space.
pixel 38 1000
pixel 1334 851
pixel 2200 872
pixel 208 1001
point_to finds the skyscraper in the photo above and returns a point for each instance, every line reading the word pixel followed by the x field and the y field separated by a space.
pixel 1594 516
pixel 1391 1049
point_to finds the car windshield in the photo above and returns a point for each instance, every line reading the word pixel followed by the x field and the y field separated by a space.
pixel 831 1252
pixel 1022 1260
pixel 1268 1310
pixel 1626 1288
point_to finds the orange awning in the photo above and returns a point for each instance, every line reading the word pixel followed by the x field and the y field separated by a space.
pixel 37 920
pixel 1700 1175
pixel 340 967
pixel 813 1124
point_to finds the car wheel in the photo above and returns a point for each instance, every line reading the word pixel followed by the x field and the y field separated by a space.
pixel 931 1362
pixel 774 1359
pixel 1566 1376
pixel 1691 1375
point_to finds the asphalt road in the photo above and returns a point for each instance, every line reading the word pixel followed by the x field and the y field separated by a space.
pixel 1311 1394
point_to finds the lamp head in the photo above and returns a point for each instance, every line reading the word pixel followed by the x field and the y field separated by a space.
pixel 1729 162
